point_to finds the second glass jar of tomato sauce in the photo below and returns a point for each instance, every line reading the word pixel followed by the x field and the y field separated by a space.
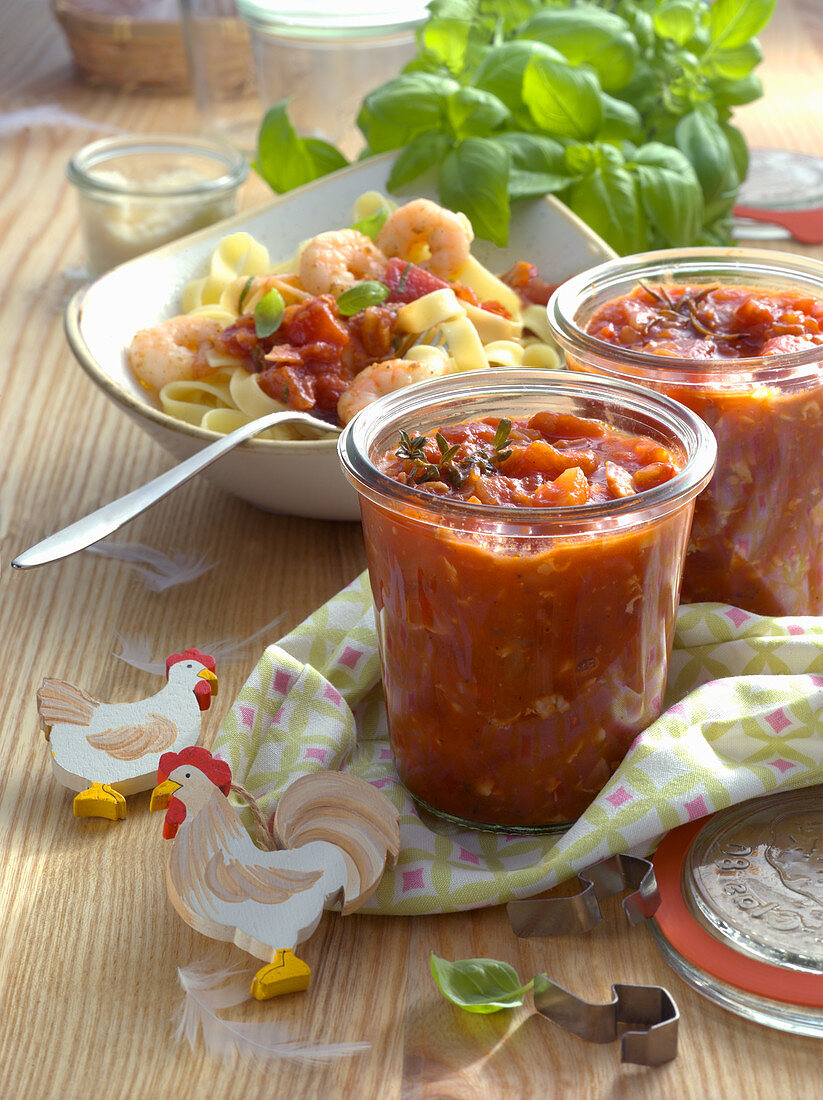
pixel 737 336
pixel 524 643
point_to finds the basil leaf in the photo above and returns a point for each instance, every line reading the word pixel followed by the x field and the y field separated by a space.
pixel 501 72
pixel 282 158
pixel 737 92
pixel 478 985
pixel 533 152
pixel 737 63
pixel 244 293
pixel 620 121
pixel 704 143
pixel 739 149
pixel 408 105
pixel 473 178
pixel 538 165
pixel 677 20
pixel 419 156
pixel 360 296
pixel 607 200
pixel 563 101
pixel 325 157
pixel 473 112
pixel 371 225
pixel 588 36
pixel 671 195
pixel 733 22
pixel 447 41
pixel 268 313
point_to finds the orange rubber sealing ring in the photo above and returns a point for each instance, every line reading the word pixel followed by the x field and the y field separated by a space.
pixel 702 950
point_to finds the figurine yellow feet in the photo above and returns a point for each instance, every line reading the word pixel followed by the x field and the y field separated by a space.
pixel 285 974
pixel 100 800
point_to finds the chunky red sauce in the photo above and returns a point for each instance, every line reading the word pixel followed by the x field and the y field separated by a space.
pixel 316 352
pixel 518 669
pixel 757 536
pixel 551 460
pixel 710 322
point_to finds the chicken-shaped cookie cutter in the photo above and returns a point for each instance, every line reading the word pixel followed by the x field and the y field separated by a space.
pixel 336 834
pixel 107 751
pixel 648 1011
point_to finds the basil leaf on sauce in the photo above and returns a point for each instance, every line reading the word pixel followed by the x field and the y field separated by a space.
pixel 268 313
pixel 361 295
pixel 478 985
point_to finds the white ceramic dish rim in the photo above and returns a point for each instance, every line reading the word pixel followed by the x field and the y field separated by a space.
pixel 120 395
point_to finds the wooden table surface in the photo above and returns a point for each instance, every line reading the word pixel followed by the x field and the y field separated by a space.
pixel 90 943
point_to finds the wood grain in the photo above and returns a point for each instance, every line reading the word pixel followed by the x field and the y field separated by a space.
pixel 90 943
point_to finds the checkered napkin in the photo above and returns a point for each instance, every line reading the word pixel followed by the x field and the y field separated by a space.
pixel 743 717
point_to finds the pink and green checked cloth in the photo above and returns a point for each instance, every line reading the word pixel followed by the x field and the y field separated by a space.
pixel 744 717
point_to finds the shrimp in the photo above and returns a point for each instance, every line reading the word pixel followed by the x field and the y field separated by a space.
pixel 332 262
pixel 381 378
pixel 173 351
pixel 428 235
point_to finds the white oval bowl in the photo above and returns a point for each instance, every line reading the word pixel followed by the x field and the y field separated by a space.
pixel 295 477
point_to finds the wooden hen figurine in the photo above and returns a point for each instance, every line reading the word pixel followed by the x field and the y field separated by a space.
pixel 337 833
pixel 109 750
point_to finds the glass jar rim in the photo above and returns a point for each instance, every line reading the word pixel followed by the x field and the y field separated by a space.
pixel 323 21
pixel 693 435
pixel 735 264
pixel 96 154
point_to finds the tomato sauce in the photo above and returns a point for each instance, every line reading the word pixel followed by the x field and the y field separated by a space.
pixel 519 667
pixel 757 536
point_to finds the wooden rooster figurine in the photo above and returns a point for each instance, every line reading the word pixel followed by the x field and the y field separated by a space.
pixel 337 834
pixel 109 750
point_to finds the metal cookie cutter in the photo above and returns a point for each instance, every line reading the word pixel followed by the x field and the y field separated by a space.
pixel 648 1012
pixel 581 912
pixel 651 1016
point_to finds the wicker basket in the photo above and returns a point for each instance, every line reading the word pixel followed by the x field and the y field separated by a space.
pixel 113 46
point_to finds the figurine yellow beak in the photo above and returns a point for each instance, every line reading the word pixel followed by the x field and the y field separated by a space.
pixel 162 794
pixel 207 674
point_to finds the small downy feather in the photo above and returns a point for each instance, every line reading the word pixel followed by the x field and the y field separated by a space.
pixel 158 570
pixel 136 651
pixel 207 991
pixel 50 114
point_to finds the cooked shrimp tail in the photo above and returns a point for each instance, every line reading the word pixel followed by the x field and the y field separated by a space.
pixel 173 351
pixel 332 262
pixel 428 235
pixel 380 378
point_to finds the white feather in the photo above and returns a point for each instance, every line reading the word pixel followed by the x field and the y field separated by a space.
pixel 136 651
pixel 50 114
pixel 158 570
pixel 207 991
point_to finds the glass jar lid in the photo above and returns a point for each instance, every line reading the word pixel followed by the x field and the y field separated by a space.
pixel 324 19
pixel 742 913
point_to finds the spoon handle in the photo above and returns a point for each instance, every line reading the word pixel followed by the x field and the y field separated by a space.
pixel 96 526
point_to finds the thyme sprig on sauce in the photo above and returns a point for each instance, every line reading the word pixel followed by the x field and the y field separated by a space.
pixel 449 468
pixel 686 307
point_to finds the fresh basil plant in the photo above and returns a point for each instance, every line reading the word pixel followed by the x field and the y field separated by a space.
pixel 621 108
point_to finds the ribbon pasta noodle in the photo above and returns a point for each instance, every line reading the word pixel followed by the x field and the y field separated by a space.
pixel 203 380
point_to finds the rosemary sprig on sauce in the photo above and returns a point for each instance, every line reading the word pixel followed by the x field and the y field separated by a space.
pixel 449 468
pixel 685 307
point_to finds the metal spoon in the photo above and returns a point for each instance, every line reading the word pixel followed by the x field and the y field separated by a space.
pixel 111 517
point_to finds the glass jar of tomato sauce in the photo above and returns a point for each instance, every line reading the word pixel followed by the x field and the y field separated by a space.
pixel 523 646
pixel 737 336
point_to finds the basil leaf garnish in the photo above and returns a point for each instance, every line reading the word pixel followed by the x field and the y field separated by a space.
pixel 361 295
pixel 268 313
pixel 478 985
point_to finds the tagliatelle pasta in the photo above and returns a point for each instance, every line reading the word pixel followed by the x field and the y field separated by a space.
pixel 428 308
